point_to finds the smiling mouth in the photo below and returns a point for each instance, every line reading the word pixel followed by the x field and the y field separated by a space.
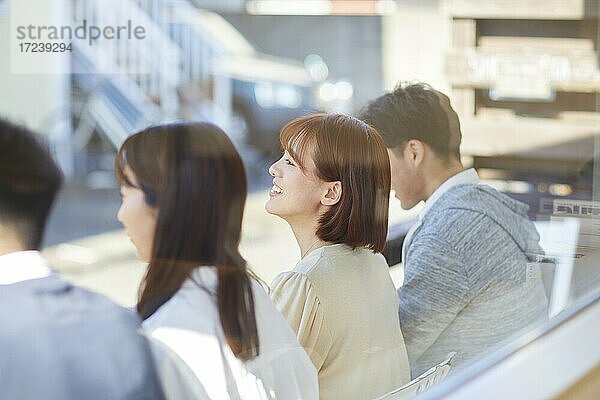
pixel 276 189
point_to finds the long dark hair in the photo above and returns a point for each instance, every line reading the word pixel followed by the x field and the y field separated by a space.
pixel 193 175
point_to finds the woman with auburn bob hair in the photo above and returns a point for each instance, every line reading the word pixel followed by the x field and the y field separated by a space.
pixel 332 187
pixel 214 330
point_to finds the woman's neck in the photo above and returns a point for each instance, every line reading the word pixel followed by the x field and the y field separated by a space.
pixel 306 237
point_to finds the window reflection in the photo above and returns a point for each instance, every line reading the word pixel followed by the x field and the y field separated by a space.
pixel 524 80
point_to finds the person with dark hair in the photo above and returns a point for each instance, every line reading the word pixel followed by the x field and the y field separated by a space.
pixel 57 341
pixel 215 331
pixel 332 187
pixel 468 284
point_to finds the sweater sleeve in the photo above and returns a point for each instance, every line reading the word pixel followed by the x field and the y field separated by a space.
pixel 435 290
pixel 293 294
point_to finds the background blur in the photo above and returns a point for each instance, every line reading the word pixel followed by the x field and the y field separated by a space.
pixel 523 75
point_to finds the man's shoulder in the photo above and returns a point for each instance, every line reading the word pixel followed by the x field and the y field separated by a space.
pixel 57 324
pixel 466 203
pixel 476 218
pixel 477 197
pixel 468 195
pixel 54 302
pixel 460 214
pixel 457 209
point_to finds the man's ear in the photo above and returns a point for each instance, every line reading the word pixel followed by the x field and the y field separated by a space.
pixel 414 152
pixel 333 194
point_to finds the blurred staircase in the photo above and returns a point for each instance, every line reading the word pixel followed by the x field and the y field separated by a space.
pixel 122 86
pixel 125 84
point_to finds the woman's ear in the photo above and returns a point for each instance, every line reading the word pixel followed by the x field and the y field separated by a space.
pixel 333 194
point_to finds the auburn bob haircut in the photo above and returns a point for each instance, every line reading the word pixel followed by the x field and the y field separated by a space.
pixel 348 150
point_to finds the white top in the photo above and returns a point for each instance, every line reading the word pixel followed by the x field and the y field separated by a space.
pixel 343 306
pixel 22 266
pixel 195 361
pixel 468 176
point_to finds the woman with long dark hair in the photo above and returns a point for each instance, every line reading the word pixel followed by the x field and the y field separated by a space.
pixel 332 187
pixel 183 189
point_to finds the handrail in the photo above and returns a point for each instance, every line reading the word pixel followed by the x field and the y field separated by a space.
pixel 201 54
pixel 154 63
pixel 183 22
pixel 135 82
pixel 180 53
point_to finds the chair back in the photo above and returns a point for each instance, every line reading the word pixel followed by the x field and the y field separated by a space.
pixel 423 382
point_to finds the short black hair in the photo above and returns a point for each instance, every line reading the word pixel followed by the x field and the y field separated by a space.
pixel 29 182
pixel 415 111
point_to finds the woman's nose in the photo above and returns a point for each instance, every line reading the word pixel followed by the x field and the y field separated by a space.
pixel 273 169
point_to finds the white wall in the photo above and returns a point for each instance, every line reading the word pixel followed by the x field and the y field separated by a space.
pixel 33 99
pixel 39 101
pixel 415 41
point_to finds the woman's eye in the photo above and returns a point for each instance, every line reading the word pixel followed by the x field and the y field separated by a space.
pixel 289 162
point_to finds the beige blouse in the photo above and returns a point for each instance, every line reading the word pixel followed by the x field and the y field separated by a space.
pixel 343 305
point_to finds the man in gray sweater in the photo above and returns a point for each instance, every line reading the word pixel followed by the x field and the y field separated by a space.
pixel 469 283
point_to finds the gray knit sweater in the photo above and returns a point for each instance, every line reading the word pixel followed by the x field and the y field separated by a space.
pixel 466 286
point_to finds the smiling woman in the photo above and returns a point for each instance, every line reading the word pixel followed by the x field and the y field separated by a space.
pixel 332 187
